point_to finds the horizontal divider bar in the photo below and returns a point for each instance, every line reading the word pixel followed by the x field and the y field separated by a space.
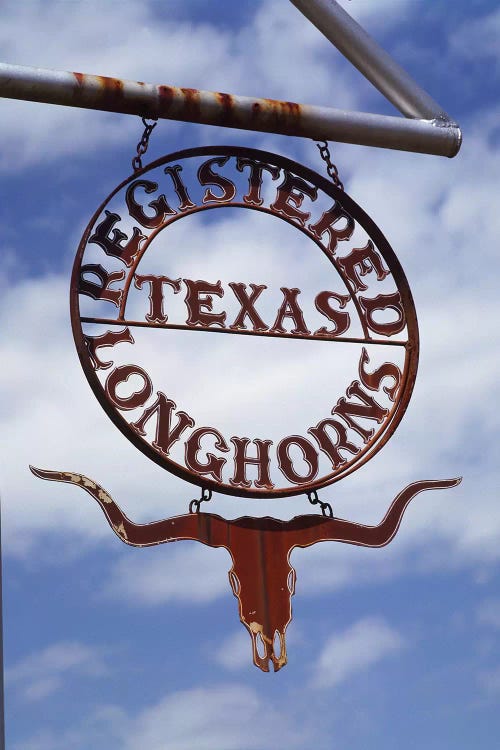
pixel 240 331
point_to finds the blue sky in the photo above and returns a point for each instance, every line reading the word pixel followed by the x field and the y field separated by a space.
pixel 109 647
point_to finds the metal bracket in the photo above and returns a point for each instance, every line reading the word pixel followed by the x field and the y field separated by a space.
pixel 426 128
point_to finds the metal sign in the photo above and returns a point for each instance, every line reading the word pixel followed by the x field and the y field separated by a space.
pixel 364 302
pixel 261 576
pixel 138 298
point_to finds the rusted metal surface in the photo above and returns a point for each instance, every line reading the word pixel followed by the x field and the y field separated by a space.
pixel 261 577
pixel 370 279
pixel 433 136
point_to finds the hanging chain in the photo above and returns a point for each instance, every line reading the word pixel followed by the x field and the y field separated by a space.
pixel 333 173
pixel 194 505
pixel 143 144
pixel 332 170
pixel 326 508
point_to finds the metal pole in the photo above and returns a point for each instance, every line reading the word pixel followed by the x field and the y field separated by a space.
pixel 370 59
pixel 2 700
pixel 432 136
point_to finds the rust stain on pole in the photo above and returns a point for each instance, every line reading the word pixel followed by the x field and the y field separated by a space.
pixel 193 105
pixel 217 108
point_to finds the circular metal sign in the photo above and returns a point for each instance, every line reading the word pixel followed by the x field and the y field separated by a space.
pixel 142 280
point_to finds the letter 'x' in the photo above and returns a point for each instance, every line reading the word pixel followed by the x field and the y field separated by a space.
pixel 247 303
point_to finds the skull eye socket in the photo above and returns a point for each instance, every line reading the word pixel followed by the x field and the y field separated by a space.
pixel 234 581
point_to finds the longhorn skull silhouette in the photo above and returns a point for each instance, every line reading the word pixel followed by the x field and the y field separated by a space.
pixel 261 576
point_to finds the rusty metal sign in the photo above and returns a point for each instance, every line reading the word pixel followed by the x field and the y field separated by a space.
pixel 138 296
pixel 261 576
pixel 118 289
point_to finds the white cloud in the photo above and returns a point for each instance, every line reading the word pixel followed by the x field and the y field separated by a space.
pixel 434 440
pixel 441 218
pixel 246 62
pixel 189 573
pixel 378 14
pixel 443 221
pixel 358 648
pixel 41 674
pixel 213 718
pixel 102 730
pixel 478 37
pixel 235 651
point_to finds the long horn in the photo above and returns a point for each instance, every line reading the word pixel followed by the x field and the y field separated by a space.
pixel 202 527
pixel 338 530
pixel 211 529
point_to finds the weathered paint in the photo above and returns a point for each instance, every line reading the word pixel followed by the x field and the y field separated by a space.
pixel 261 576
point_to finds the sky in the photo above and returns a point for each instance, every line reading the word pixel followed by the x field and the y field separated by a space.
pixel 112 648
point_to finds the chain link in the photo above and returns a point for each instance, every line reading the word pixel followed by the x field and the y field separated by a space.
pixel 326 508
pixel 143 144
pixel 194 505
pixel 333 173
pixel 332 170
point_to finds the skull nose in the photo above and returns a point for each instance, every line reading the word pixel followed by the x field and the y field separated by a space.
pixel 265 649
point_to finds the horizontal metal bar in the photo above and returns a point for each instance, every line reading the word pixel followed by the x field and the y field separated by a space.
pixel 370 59
pixel 215 108
pixel 240 331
